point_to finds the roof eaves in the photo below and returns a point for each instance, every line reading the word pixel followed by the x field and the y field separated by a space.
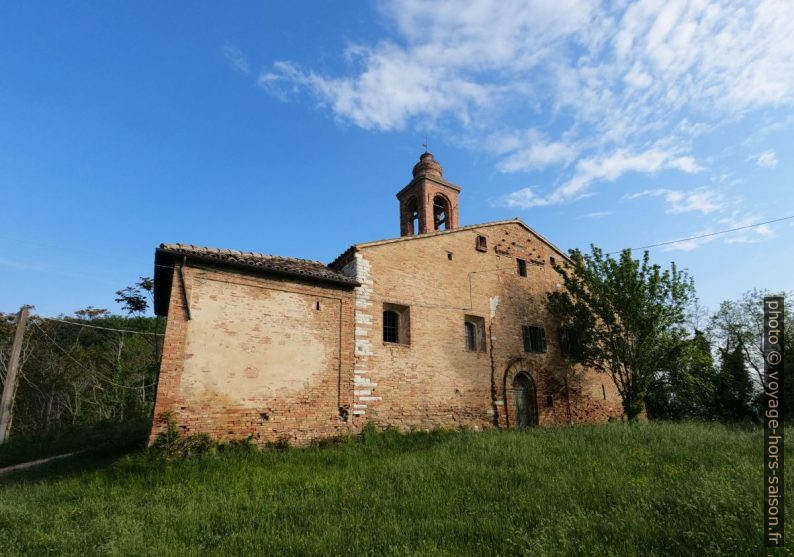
pixel 265 269
pixel 461 229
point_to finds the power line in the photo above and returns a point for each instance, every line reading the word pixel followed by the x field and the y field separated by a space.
pixel 98 327
pixel 707 235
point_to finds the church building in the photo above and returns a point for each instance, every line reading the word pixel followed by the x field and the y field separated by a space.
pixel 442 327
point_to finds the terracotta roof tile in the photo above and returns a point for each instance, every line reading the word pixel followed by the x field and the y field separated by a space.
pixel 278 264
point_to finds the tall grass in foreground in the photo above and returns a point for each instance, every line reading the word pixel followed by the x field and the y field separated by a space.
pixel 649 489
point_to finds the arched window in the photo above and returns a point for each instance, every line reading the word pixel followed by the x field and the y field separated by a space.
pixel 471 336
pixel 391 326
pixel 440 213
pixel 412 210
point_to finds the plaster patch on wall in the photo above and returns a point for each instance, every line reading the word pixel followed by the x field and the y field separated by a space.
pixel 252 343
pixel 493 302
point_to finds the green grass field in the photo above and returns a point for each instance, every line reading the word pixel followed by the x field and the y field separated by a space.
pixel 649 489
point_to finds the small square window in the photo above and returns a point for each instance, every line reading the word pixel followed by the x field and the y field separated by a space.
pixel 534 338
pixel 522 267
pixel 449 255
pixel 482 243
pixel 552 260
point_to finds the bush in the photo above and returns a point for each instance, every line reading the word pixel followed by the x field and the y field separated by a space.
pixel 173 444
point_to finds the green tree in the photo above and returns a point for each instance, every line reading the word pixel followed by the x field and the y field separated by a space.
pixel 734 387
pixel 738 327
pixel 135 299
pixel 627 315
pixel 684 386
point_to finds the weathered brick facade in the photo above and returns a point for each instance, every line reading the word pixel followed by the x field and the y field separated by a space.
pixel 432 380
pixel 289 349
pixel 263 357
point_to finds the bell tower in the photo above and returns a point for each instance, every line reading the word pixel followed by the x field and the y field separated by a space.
pixel 428 203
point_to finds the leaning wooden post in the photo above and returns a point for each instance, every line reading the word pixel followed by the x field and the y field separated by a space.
pixel 9 388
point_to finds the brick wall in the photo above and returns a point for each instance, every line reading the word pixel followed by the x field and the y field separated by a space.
pixel 259 357
pixel 432 381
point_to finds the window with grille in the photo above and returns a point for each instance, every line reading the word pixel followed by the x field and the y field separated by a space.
pixel 396 324
pixel 534 339
pixel 391 326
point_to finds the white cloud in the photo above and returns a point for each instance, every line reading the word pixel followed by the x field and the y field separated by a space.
pixel 626 87
pixel 596 215
pixel 748 234
pixel 521 199
pixel 236 58
pixel 700 200
pixel 533 150
pixel 599 168
pixel 767 159
pixel 694 243
pixel 614 165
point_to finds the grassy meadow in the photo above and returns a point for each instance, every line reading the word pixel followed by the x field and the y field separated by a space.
pixel 649 489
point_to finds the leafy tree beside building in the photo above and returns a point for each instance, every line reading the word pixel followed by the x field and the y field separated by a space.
pixel 627 315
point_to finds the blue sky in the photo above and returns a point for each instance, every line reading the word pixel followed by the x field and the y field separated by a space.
pixel 287 128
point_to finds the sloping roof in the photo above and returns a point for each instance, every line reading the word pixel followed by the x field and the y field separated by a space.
pixel 305 269
pixel 290 265
pixel 340 261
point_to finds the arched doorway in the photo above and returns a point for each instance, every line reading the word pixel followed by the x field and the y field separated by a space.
pixel 525 400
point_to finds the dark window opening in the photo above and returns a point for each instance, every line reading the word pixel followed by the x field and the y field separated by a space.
pixel 549 400
pixel 569 345
pixel 534 339
pixel 317 307
pixel 412 208
pixel 522 267
pixel 474 328
pixel 391 326
pixel 440 213
pixel 552 260
pixel 396 324
pixel 471 336
pixel 449 255
pixel 482 243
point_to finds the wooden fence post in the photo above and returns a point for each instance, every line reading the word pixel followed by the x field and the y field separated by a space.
pixel 10 386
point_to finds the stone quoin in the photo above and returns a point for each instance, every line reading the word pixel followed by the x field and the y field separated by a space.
pixel 442 327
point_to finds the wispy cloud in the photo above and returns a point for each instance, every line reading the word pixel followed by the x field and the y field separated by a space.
pixel 602 168
pixel 621 87
pixel 701 200
pixel 595 215
pixel 23 265
pixel 767 159
pixel 237 60
pixel 532 150
pixel 752 235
